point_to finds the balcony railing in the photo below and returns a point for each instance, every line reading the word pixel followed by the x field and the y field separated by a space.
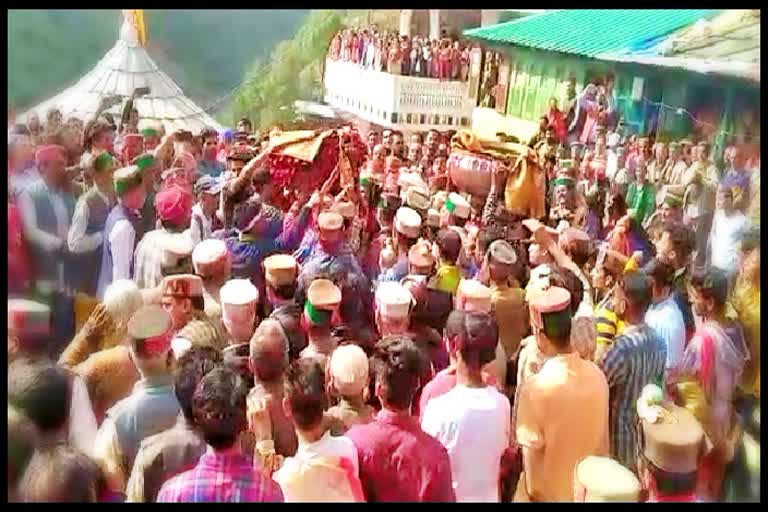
pixel 395 101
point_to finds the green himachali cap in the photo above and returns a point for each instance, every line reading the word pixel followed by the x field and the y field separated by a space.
pixel 127 179
pixel 103 162
pixel 144 161
pixel 563 181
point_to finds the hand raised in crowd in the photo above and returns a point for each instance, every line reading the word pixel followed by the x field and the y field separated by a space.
pixel 259 421
pixel 98 323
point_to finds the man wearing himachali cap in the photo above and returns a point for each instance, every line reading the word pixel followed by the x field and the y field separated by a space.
pixel 238 306
pixel 323 299
pixel 207 189
pixel 455 211
pixel 407 231
pixel 151 408
pixel 29 324
pixel 165 250
pixel 393 318
pixel 123 229
pixel 507 298
pixel 333 257
pixel 473 296
pixel 280 271
pixel 210 261
pixel 554 442
pixel 348 373
pixel 46 207
pixel 256 235
pixel 672 445
pixel 172 451
pixel 182 298
pixel 86 234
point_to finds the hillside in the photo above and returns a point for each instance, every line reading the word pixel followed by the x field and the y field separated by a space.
pixel 294 70
pixel 204 51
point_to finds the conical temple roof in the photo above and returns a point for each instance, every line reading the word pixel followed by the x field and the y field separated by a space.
pixel 125 67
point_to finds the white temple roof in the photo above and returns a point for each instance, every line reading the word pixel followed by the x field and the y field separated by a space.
pixel 125 67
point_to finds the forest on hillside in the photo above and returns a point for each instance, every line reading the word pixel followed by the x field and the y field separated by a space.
pixel 294 70
pixel 204 51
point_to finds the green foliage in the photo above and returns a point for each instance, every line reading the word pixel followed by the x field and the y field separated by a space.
pixel 204 51
pixel 293 72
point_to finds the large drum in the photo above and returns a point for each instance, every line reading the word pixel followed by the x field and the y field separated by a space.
pixel 471 172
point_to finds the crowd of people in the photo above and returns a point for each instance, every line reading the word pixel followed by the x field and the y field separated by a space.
pixel 419 56
pixel 174 336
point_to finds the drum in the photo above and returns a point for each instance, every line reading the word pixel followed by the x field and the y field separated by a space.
pixel 471 173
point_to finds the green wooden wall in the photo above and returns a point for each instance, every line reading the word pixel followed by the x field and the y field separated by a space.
pixel 536 76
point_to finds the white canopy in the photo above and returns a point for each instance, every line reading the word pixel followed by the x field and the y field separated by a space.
pixel 125 67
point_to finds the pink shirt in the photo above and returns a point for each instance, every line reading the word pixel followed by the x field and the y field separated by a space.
pixel 400 462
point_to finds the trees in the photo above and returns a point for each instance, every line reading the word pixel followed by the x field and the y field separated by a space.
pixel 204 51
pixel 294 72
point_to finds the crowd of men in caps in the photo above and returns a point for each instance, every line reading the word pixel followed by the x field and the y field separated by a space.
pixel 174 336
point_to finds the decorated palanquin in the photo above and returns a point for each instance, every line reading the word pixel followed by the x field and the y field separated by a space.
pixel 472 162
pixel 301 161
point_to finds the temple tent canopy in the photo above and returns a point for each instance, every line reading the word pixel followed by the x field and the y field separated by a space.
pixel 126 67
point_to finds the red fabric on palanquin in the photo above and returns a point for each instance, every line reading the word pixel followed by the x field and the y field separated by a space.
pixel 303 160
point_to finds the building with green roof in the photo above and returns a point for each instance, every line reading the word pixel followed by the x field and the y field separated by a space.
pixel 540 53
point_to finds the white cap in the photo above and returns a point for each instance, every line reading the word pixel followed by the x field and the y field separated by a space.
pixel 408 222
pixel 472 295
pixel 179 346
pixel 457 205
pixel 208 252
pixel 393 300
pixel 238 292
pixel 349 368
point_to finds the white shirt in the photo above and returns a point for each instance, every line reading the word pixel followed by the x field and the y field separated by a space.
pixel 201 225
pixel 151 255
pixel 78 240
pixel 611 165
pixel 724 240
pixel 326 446
pixel 474 426
pixel 121 239
pixel 666 319
pixel 82 421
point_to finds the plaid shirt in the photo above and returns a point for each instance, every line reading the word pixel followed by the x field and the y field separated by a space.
pixel 637 358
pixel 221 478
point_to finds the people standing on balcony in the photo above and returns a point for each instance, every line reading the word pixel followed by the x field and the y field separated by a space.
pixel 405 51
pixel 434 68
pixel 370 51
pixel 444 57
pixel 455 61
pixel 419 64
pixel 394 59
pixel 335 51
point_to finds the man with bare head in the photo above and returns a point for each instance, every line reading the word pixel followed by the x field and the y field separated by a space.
pixel 268 361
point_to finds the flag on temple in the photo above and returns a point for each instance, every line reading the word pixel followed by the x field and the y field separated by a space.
pixel 136 17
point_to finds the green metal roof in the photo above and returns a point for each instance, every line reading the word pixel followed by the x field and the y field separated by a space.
pixel 590 32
